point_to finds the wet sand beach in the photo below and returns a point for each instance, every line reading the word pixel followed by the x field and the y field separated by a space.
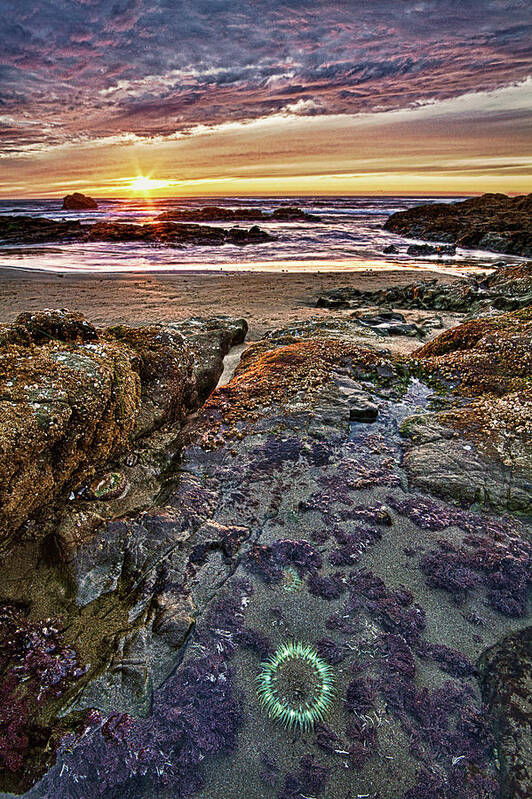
pixel 265 299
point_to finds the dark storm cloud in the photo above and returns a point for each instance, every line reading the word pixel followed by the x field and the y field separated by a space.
pixel 95 68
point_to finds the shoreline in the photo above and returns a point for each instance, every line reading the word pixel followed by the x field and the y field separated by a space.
pixel 277 268
pixel 266 299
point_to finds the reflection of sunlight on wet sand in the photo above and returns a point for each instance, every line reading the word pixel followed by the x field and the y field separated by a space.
pixel 76 262
pixel 317 265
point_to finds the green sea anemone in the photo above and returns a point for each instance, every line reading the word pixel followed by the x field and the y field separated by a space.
pixel 111 486
pixel 291 581
pixel 295 686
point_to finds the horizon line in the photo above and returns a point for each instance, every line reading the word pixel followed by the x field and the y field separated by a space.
pixel 220 195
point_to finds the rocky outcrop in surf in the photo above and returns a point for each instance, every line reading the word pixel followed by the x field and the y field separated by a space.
pixel 32 230
pixel 79 202
pixel 213 213
pixel 490 222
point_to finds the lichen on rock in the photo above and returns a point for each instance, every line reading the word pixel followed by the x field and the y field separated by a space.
pixel 66 407
pixel 75 399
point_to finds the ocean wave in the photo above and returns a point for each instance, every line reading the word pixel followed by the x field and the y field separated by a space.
pixel 350 235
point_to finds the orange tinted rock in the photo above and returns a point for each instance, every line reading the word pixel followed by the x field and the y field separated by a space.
pixel 64 409
pixel 488 364
pixel 281 374
pixel 74 398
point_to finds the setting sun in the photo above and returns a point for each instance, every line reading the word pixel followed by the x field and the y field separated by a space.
pixel 144 184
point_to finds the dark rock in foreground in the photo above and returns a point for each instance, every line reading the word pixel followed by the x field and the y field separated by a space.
pixel 79 202
pixel 30 230
pixel 491 222
pixel 209 340
pixel 213 213
pixel 508 288
pixel 506 674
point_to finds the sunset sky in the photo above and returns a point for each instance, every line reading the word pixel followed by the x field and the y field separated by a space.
pixel 213 97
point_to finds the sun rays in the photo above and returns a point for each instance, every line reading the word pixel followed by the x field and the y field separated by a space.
pixel 142 184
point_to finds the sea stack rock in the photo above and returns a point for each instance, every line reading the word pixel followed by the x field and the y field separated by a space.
pixel 79 202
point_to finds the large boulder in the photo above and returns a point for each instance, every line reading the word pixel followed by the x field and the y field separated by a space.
pixel 65 406
pixel 75 400
pixel 79 202
pixel 165 367
pixel 490 222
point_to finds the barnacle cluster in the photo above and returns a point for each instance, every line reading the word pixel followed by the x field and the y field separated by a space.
pixel 269 375
pixel 295 686
pixel 489 361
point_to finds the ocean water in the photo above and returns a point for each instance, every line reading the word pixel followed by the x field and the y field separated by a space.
pixel 349 238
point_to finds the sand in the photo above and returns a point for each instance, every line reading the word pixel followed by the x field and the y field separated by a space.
pixel 265 299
